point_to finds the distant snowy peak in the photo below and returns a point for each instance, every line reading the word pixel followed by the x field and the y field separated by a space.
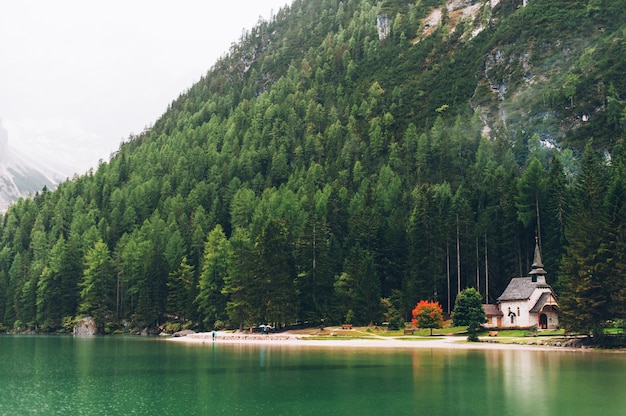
pixel 4 144
pixel 24 162
pixel 20 176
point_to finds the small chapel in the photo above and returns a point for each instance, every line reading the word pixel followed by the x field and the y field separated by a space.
pixel 527 302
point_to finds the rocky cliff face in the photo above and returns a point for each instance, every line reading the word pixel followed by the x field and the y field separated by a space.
pixel 20 177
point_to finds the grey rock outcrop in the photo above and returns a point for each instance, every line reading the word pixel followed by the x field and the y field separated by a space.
pixel 86 326
pixel 183 333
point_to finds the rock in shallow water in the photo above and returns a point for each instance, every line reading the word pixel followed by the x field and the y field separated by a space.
pixel 86 326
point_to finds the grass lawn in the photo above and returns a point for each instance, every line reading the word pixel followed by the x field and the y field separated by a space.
pixel 372 332
pixel 524 333
pixel 425 332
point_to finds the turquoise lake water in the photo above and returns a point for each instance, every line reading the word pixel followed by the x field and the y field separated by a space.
pixel 146 376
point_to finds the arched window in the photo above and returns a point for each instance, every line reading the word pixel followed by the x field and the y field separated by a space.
pixel 512 315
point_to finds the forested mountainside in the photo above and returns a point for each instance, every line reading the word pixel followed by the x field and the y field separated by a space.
pixel 343 161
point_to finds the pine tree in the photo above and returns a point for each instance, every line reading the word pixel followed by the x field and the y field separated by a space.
pixel 363 285
pixel 314 283
pixel 422 237
pixel 97 296
pixel 583 281
pixel 615 243
pixel 240 283
pixel 49 288
pixel 179 285
pixel 557 205
pixel 211 301
pixel 275 274
pixel 530 188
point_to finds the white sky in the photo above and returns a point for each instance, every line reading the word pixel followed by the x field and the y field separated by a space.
pixel 78 77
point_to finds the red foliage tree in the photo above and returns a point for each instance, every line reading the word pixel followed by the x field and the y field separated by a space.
pixel 428 315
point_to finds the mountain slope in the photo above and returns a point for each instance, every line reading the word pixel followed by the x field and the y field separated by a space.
pixel 553 68
pixel 20 177
pixel 340 163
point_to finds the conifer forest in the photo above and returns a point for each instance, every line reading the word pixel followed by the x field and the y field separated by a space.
pixel 344 160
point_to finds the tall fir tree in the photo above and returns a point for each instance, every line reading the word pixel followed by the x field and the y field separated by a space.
pixel 583 282
pixel 211 301
pixel 97 295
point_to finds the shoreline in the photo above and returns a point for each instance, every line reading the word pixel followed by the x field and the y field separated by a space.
pixel 306 341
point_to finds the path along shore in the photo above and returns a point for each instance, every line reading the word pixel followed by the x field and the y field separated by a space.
pixel 288 339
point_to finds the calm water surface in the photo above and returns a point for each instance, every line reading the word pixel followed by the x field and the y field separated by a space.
pixel 139 376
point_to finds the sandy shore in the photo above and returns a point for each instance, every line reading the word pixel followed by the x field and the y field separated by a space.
pixel 374 341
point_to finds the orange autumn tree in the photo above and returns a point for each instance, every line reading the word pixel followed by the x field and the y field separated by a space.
pixel 428 315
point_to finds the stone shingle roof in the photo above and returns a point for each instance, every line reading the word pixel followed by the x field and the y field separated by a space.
pixel 492 310
pixel 546 297
pixel 520 288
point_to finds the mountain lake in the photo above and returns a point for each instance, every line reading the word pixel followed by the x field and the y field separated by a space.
pixel 64 375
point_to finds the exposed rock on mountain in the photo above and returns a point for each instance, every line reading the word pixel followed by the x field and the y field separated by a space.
pixel 19 176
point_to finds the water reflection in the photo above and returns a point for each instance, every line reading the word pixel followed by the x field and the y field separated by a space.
pixel 139 376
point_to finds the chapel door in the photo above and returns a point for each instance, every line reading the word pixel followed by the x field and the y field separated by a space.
pixel 543 321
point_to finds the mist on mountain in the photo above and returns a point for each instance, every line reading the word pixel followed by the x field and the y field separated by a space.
pixel 20 175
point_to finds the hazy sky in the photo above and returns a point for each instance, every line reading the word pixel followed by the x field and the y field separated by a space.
pixel 77 77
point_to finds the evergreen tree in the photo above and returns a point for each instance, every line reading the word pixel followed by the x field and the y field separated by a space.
pixel 49 288
pixel 314 282
pixel 151 286
pixel 211 301
pixel 364 286
pixel 468 311
pixel 131 269
pixel 583 281
pixel 239 283
pixel 97 295
pixel 615 244
pixel 530 188
pixel 422 233
pixel 179 285
pixel 275 274
pixel 557 205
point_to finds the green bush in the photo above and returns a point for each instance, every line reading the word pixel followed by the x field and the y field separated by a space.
pixel 468 311
pixel 395 323
pixel 68 324
pixel 349 317
pixel 171 327
pixel 18 325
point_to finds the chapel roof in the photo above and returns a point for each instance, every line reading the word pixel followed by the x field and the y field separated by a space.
pixel 521 288
pixel 537 266
pixel 492 310
pixel 546 298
